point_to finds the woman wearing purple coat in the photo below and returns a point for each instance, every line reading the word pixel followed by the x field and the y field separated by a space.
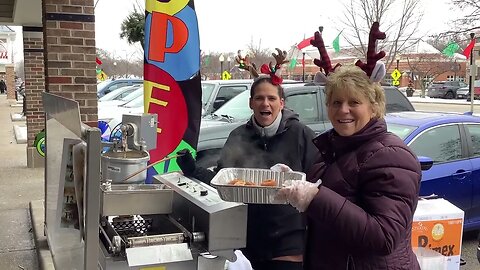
pixel 361 194
pixel 360 216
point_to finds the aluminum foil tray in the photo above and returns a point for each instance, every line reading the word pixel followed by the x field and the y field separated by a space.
pixel 251 194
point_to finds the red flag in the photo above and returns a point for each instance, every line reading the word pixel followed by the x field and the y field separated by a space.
pixel 304 43
pixel 469 48
pixel 99 62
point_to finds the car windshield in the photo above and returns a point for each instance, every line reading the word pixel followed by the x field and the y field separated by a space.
pixel 401 131
pixel 437 84
pixel 133 95
pixel 237 107
pixel 135 103
pixel 396 101
pixel 207 89
pixel 118 93
pixel 102 85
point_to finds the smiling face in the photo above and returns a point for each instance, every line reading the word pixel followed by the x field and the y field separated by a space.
pixel 266 103
pixel 349 113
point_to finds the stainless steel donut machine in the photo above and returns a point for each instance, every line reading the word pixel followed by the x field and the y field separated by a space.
pixel 177 223
pixel 115 220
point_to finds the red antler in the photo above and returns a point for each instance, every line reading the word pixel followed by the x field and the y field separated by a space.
pixel 324 62
pixel 372 56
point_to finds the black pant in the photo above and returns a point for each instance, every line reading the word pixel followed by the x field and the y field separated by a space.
pixel 24 105
pixel 276 265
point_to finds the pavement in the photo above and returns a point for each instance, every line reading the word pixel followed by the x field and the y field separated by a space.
pixel 21 188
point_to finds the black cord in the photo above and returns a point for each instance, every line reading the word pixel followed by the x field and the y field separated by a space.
pixel 112 132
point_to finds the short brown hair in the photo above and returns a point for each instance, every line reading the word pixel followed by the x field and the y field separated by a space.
pixel 354 81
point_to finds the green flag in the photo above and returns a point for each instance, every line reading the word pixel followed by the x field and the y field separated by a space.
pixel 293 63
pixel 451 48
pixel 336 42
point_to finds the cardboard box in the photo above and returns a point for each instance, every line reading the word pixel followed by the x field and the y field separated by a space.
pixel 438 226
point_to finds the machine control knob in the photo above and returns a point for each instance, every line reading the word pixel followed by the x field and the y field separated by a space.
pixel 203 192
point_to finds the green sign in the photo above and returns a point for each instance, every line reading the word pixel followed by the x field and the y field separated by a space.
pixel 39 143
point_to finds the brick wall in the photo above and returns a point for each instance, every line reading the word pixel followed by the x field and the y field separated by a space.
pixel 69 39
pixel 34 80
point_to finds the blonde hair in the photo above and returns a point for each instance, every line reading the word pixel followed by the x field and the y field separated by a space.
pixel 353 81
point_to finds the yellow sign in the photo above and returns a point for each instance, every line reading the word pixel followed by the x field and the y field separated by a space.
pixel 396 75
pixel 226 75
pixel 102 76
pixel 396 83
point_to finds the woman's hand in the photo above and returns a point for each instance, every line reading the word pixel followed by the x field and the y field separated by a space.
pixel 186 162
pixel 298 193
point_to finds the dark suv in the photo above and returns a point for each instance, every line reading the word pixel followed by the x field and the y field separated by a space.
pixel 444 89
pixel 306 100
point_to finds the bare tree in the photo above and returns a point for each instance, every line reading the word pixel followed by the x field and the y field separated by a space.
pixel 399 19
pixel 440 41
pixel 259 55
pixel 470 21
pixel 423 71
pixel 114 67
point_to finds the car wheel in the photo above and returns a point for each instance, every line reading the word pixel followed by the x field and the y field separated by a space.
pixel 449 95
pixel 478 249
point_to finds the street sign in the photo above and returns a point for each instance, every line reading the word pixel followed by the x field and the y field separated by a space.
pixel 226 75
pixel 396 75
pixel 395 82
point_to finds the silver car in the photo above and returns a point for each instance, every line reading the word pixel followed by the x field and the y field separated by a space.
pixel 463 92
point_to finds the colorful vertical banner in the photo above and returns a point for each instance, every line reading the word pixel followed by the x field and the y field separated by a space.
pixel 172 78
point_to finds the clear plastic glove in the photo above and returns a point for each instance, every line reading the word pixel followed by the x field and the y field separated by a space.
pixel 242 263
pixel 279 167
pixel 298 193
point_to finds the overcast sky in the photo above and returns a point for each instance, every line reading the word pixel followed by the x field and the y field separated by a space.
pixel 226 26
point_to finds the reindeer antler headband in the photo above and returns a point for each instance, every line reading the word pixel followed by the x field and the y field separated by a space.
pixel 374 68
pixel 274 71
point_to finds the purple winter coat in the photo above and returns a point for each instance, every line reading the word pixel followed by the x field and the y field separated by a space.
pixel 361 218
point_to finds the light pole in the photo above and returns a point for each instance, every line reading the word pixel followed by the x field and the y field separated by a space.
pixel 303 67
pixel 228 62
pixel 398 60
pixel 115 68
pixel 221 59
pixel 473 72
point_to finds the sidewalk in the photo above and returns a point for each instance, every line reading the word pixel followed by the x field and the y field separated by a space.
pixel 18 186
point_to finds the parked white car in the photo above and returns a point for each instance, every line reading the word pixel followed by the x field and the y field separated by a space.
pixel 117 102
pixel 119 93
pixel 112 115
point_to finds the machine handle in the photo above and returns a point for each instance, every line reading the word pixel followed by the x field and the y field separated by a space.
pixel 150 165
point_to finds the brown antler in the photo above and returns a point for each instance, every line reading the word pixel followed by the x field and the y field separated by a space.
pixel 324 62
pixel 372 56
pixel 244 63
pixel 280 59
